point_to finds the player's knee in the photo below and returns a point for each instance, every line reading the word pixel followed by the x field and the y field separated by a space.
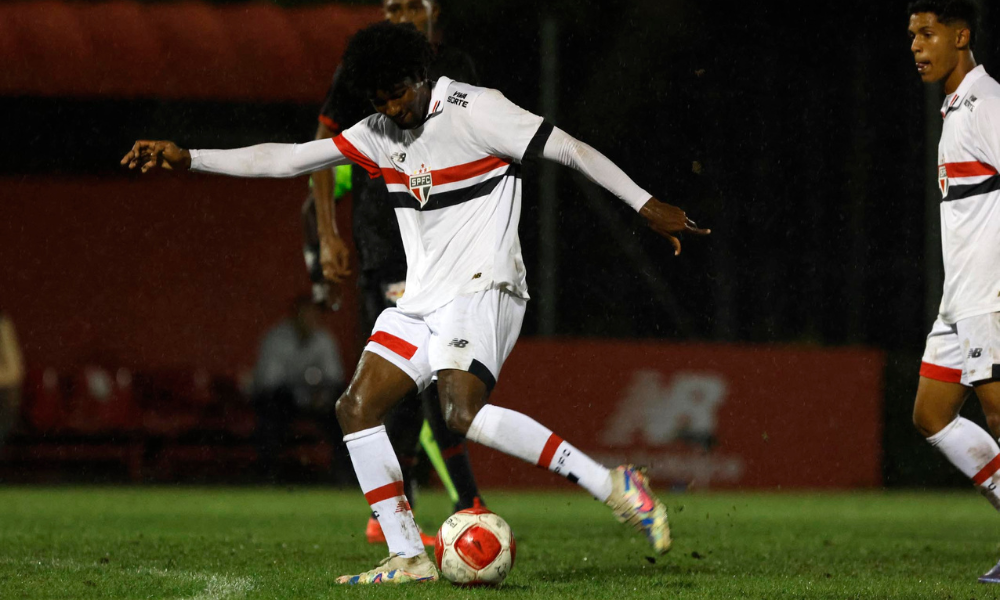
pixel 926 422
pixel 459 417
pixel 350 411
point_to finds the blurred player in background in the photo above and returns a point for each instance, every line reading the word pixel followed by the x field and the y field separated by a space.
pixel 963 347
pixel 450 154
pixel 299 373
pixel 11 376
pixel 382 258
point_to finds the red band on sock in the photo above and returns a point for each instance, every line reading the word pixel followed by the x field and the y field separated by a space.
pixel 549 451
pixel 396 344
pixel 453 451
pixel 939 373
pixel 991 467
pixel 385 492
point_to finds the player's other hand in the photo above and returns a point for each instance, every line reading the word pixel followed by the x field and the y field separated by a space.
pixel 147 154
pixel 669 221
pixel 334 257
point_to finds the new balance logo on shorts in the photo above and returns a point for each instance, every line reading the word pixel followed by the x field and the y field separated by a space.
pixel 457 343
pixel 975 353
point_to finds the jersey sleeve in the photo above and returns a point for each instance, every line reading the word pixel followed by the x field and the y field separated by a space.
pixel 360 145
pixel 503 128
pixel 988 123
pixel 269 160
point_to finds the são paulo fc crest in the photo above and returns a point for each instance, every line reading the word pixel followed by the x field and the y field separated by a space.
pixel 420 184
pixel 943 180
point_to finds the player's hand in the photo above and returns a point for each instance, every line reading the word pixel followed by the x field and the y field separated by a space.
pixel 334 257
pixel 669 221
pixel 147 154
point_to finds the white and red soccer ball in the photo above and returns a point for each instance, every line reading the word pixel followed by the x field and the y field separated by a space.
pixel 475 547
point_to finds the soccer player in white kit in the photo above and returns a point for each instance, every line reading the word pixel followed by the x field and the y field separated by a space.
pixel 963 347
pixel 450 154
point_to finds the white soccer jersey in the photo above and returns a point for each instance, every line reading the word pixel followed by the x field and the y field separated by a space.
pixel 456 187
pixel 968 158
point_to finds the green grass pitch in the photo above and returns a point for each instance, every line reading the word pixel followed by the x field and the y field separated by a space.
pixel 209 544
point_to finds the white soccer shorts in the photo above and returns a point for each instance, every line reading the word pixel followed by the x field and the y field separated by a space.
pixel 473 333
pixel 967 352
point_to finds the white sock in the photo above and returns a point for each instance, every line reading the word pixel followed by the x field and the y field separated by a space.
pixel 519 435
pixel 975 453
pixel 381 480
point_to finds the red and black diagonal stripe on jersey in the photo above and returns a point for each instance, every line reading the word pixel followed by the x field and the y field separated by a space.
pixel 961 170
pixel 475 176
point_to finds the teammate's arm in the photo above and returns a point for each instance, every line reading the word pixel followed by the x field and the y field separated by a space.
pixel 334 255
pixel 262 160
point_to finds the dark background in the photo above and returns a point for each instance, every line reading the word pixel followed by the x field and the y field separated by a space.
pixel 795 131
pixel 808 126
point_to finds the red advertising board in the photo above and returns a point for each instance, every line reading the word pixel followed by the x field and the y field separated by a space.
pixel 705 415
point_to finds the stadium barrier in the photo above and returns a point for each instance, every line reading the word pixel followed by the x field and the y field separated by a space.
pixel 705 415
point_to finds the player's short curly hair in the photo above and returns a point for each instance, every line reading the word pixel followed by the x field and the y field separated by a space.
pixel 950 12
pixel 381 56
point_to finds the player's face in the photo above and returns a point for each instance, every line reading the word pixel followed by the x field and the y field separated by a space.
pixel 935 46
pixel 422 13
pixel 405 104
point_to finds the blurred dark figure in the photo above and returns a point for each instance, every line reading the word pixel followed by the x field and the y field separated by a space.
pixel 11 376
pixel 299 373
pixel 381 258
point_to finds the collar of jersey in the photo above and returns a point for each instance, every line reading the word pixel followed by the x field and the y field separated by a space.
pixel 439 97
pixel 953 101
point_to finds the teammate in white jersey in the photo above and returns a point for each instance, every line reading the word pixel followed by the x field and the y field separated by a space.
pixel 963 348
pixel 450 154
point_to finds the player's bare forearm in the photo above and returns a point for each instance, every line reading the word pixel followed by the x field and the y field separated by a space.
pixel 334 255
pixel 326 205
pixel 150 154
pixel 670 221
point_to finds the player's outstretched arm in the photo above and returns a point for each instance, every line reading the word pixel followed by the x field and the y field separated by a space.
pixel 262 160
pixel 149 154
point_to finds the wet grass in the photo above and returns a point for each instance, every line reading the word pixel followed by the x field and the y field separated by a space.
pixel 207 543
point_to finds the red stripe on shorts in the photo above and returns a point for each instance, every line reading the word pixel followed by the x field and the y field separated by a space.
pixel 991 467
pixel 397 345
pixel 940 373
pixel 549 451
pixel 385 492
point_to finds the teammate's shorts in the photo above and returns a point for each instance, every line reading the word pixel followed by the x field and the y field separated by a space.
pixel 473 333
pixel 967 352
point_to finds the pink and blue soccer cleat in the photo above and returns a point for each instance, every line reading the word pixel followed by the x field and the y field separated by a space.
pixel 396 569
pixel 634 503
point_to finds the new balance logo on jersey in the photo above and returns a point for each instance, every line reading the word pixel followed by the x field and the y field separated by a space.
pixel 399 156
pixel 975 353
pixel 970 102
pixel 421 183
pixel 457 343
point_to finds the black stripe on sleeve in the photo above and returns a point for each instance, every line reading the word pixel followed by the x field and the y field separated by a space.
pixel 537 144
